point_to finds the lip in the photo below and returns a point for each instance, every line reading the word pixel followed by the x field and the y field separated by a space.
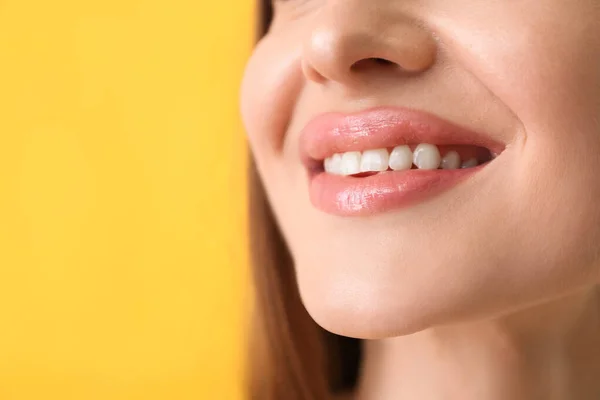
pixel 381 128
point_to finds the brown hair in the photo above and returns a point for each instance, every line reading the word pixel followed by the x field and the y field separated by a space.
pixel 290 356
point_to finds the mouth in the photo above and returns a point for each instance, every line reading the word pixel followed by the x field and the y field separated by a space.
pixel 388 158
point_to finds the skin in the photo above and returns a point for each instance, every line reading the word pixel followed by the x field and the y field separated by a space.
pixel 490 289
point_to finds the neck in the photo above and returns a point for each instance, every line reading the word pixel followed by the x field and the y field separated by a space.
pixel 550 352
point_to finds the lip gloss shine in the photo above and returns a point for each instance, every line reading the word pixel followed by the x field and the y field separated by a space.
pixel 381 128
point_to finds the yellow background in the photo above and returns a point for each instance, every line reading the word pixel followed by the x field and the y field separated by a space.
pixel 122 262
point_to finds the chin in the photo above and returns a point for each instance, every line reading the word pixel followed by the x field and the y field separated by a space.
pixel 369 321
pixel 374 306
pixel 352 294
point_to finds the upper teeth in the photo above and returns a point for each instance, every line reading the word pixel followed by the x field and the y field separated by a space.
pixel 425 156
pixel 374 160
pixel 401 158
pixel 350 163
pixel 471 162
pixel 451 160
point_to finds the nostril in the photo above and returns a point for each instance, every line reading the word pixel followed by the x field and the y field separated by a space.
pixel 368 63
pixel 382 61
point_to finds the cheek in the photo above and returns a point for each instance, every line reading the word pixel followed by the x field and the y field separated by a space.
pixel 271 84
pixel 542 63
pixel 546 70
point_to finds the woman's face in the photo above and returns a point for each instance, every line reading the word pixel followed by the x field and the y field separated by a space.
pixel 513 84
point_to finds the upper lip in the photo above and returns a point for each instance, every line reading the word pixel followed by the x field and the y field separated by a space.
pixel 384 127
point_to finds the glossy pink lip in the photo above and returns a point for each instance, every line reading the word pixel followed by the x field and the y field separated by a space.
pixel 381 128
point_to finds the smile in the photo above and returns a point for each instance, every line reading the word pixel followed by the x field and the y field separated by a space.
pixel 423 156
pixel 388 158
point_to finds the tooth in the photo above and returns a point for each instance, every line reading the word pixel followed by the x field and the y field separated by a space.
pixel 374 160
pixel 350 163
pixel 401 158
pixel 470 163
pixel 327 165
pixel 427 156
pixel 451 160
pixel 333 164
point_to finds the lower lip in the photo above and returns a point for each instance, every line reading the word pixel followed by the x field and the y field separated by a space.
pixel 351 196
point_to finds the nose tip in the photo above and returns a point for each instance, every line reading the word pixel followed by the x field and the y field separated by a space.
pixel 345 51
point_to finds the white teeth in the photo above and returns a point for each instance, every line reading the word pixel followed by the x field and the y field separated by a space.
pixel 470 163
pixel 350 163
pixel 374 160
pixel 451 160
pixel 427 156
pixel 401 158
pixel 333 164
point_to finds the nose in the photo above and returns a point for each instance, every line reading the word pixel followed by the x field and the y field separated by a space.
pixel 354 39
